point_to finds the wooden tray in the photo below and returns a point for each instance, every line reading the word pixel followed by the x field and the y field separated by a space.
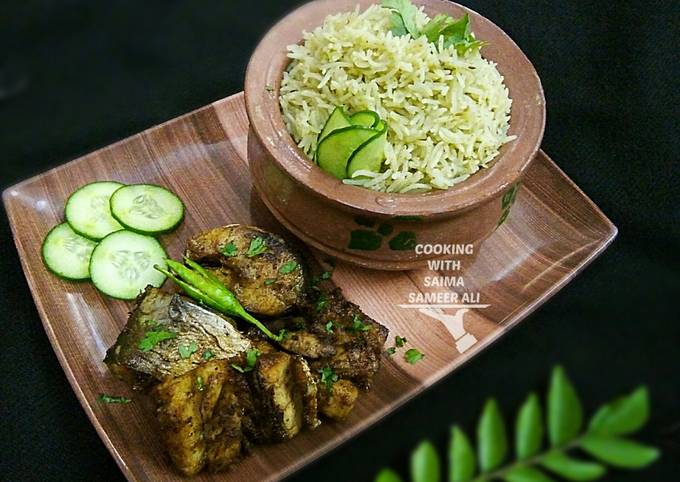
pixel 552 233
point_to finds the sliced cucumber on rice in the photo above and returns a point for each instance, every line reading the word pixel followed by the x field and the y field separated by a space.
pixel 122 264
pixel 147 208
pixel 87 210
pixel 66 253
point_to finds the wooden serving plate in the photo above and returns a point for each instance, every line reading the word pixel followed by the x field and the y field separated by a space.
pixel 552 233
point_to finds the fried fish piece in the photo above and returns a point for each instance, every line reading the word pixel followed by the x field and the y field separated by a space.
pixel 264 272
pixel 200 417
pixel 338 401
pixel 169 335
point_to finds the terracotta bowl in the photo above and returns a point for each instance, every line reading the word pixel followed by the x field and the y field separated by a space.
pixel 364 227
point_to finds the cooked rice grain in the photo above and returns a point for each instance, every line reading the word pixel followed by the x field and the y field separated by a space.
pixel 448 114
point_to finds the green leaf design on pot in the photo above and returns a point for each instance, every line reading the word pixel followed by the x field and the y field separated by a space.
pixel 507 201
pixel 413 219
pixel 567 450
pixel 403 241
pixel 364 240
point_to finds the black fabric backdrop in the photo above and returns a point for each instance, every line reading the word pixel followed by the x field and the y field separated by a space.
pixel 78 75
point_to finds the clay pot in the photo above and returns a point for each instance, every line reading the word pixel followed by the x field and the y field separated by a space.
pixel 368 228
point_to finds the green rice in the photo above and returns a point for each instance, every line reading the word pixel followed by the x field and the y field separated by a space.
pixel 448 114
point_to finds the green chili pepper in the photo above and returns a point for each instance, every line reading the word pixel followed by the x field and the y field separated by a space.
pixel 206 288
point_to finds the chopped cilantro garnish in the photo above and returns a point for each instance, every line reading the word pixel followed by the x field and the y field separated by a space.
pixel 257 246
pixel 153 338
pixel 283 334
pixel 358 325
pixel 269 281
pixel 288 267
pixel 329 327
pixel 200 384
pixel 326 275
pixel 207 355
pixel 321 302
pixel 400 341
pixel 413 356
pixel 391 351
pixel 185 351
pixel 229 250
pixel 113 399
pixel 251 360
pixel 328 378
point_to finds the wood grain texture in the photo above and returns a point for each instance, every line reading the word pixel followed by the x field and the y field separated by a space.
pixel 552 233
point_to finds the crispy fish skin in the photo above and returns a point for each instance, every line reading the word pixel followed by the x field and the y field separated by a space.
pixel 193 326
pixel 257 281
pixel 200 417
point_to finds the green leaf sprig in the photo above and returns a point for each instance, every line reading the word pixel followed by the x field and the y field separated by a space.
pixel 604 439
pixel 204 287
pixel 455 31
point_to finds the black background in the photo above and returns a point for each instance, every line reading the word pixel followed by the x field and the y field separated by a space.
pixel 76 75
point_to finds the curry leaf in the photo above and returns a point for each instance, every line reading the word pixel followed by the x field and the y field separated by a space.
pixel 565 414
pixel 529 428
pixel 619 452
pixel 387 475
pixel 572 469
pixel 425 463
pixel 525 474
pixel 622 416
pixel 493 442
pixel 461 457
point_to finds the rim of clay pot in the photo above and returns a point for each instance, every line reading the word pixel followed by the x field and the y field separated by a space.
pixel 527 116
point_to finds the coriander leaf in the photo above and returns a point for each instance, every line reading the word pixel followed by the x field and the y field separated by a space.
pixel 491 437
pixel 387 475
pixel 326 275
pixel 229 250
pixel 461 457
pixel 407 12
pixel 257 247
pixel 358 325
pixel 565 414
pixel 433 29
pixel 391 351
pixel 251 361
pixel 200 384
pixel 525 474
pixel 269 281
pixel 113 399
pixel 153 338
pixel 400 341
pixel 413 356
pixel 185 351
pixel 321 302
pixel 328 378
pixel 425 463
pixel 288 267
pixel 622 416
pixel 570 468
pixel 529 428
pixel 207 355
pixel 619 452
pixel 329 327
pixel 251 357
pixel 283 334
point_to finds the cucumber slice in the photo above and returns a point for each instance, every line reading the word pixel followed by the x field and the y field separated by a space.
pixel 122 264
pixel 66 253
pixel 365 118
pixel 337 120
pixel 146 208
pixel 87 210
pixel 336 149
pixel 370 156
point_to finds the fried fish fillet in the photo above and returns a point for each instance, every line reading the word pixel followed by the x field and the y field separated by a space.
pixel 169 335
pixel 264 272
